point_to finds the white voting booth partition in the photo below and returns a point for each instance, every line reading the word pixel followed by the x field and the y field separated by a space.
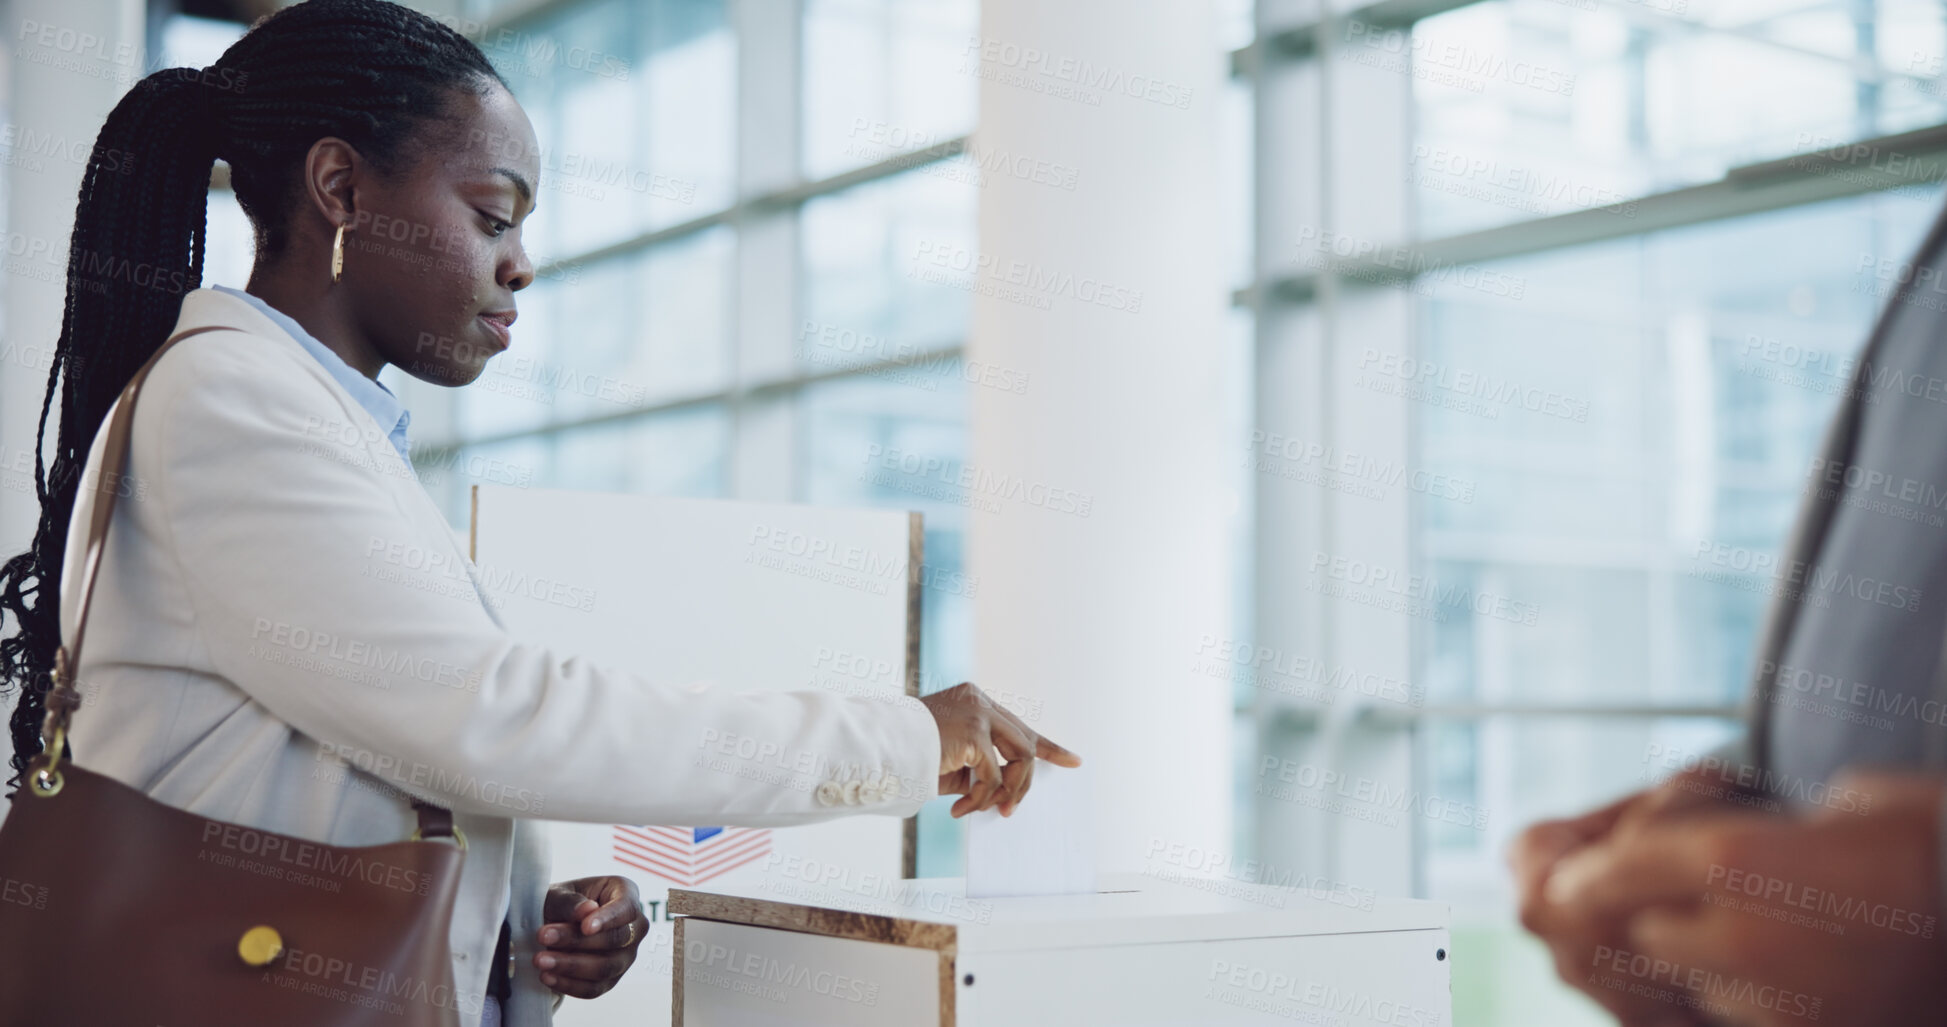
pixel 744 596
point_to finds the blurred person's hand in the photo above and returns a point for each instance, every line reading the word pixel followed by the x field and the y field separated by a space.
pixel 975 732
pixel 590 931
pixel 1829 917
pixel 1575 934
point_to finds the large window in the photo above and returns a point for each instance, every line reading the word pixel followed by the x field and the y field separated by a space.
pixel 1556 297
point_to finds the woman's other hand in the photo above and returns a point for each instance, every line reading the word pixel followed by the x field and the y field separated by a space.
pixel 975 734
pixel 589 937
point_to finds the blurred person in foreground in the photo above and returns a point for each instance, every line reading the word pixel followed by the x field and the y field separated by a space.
pixel 1795 875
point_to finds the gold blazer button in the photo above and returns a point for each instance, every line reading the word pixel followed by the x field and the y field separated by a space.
pixel 260 946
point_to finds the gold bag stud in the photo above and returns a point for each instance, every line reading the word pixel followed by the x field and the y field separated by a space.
pixel 260 946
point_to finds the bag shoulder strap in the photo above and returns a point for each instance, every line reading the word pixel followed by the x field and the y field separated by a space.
pixel 114 460
pixel 62 698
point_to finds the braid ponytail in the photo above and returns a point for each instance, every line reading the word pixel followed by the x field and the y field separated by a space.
pixel 366 71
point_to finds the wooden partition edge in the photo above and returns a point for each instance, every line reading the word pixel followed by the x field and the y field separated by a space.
pixel 915 565
pixel 948 999
pixel 676 979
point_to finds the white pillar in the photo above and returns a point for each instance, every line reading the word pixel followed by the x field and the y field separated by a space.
pixel 67 65
pixel 1110 297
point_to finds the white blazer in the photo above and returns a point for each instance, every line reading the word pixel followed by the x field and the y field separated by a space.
pixel 250 659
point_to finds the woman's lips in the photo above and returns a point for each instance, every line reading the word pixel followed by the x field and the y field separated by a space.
pixel 501 325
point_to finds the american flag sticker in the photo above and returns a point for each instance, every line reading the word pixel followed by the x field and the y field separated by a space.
pixel 689 856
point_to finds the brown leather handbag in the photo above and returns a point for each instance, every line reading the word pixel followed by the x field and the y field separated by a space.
pixel 116 909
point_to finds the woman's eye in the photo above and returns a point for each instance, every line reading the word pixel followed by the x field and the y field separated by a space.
pixel 496 225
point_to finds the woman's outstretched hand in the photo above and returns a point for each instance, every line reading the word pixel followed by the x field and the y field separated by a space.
pixel 975 733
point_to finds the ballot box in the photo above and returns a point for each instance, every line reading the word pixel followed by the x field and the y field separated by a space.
pixel 832 949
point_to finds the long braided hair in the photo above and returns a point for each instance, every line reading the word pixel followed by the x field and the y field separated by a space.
pixel 368 72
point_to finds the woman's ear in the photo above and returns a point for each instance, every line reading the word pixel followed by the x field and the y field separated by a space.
pixel 330 169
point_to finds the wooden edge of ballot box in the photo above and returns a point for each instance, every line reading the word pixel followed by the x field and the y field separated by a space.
pixel 1128 909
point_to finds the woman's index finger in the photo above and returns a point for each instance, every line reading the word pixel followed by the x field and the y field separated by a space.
pixel 1045 748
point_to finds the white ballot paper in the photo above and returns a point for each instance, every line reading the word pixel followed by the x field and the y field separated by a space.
pixel 1046 848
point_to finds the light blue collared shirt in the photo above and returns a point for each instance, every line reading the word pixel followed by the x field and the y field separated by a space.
pixel 385 408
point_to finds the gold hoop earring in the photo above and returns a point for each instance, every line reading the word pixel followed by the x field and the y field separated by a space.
pixel 338 254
